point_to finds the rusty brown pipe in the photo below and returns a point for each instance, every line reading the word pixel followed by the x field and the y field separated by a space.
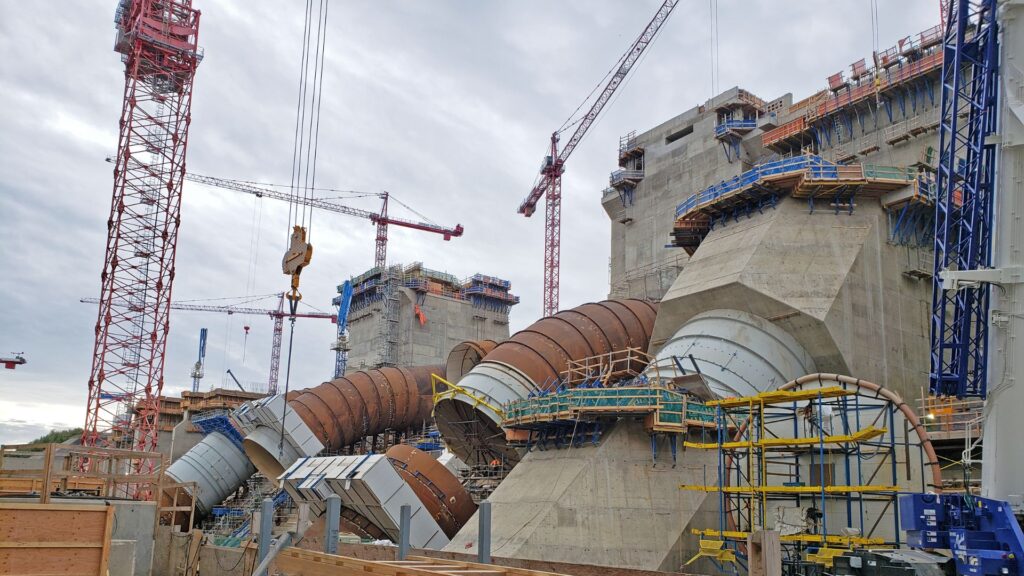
pixel 436 487
pixel 465 356
pixel 344 410
pixel 533 359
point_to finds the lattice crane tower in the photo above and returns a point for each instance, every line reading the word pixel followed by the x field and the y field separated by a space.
pixel 158 43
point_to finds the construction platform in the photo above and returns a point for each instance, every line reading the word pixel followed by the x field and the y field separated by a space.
pixel 807 176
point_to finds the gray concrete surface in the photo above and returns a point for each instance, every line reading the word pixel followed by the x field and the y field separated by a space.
pixel 607 505
pixel 831 280
pixel 132 540
pixel 449 321
pixel 183 438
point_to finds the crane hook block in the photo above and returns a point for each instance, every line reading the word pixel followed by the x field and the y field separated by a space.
pixel 296 258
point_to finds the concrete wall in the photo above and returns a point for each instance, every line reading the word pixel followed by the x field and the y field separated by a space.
pixel 831 281
pixel 183 438
pixel 834 281
pixel 607 505
pixel 641 264
pixel 449 321
pixel 385 553
pixel 172 556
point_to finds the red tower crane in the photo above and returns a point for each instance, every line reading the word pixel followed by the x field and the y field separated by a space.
pixel 381 219
pixel 278 315
pixel 158 43
pixel 549 184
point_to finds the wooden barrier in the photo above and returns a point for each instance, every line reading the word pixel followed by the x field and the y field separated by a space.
pixel 82 470
pixel 297 562
pixel 66 539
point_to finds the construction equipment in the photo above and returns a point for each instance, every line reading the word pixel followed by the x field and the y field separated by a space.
pixel 300 252
pixel 14 361
pixel 966 190
pixel 296 258
pixel 278 314
pixel 971 255
pixel 380 219
pixel 343 301
pixel 982 533
pixel 553 166
pixel 197 370
pixel 158 43
pixel 237 383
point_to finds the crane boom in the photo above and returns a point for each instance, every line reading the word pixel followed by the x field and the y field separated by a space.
pixel 260 191
pixel 278 314
pixel 198 369
pixel 550 183
pixel 236 310
pixel 625 65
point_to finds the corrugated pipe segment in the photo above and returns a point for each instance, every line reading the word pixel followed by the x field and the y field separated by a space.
pixel 465 356
pixel 436 487
pixel 344 410
pixel 533 359
pixel 543 350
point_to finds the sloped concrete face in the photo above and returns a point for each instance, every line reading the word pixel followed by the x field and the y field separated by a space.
pixel 829 280
pixel 608 505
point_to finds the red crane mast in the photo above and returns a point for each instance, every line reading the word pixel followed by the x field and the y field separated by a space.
pixel 550 182
pixel 158 43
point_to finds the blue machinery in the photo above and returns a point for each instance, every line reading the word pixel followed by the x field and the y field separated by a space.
pixel 343 301
pixel 983 534
pixel 197 370
pixel 966 187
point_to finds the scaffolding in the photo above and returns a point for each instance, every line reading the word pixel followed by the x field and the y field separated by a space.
pixel 901 80
pixel 382 284
pixel 594 392
pixel 820 465
pixel 807 176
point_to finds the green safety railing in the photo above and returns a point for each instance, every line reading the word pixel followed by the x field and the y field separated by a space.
pixel 672 407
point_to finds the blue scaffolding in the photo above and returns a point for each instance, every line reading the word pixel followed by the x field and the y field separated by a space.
pixel 966 187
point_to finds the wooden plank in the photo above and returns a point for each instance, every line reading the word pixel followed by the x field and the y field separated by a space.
pixel 59 507
pixel 764 552
pixel 47 474
pixel 52 525
pixel 51 544
pixel 107 534
pixel 511 571
pixel 39 539
pixel 45 562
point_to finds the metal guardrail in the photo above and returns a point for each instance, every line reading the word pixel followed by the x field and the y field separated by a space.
pixel 727 125
pixel 815 167
pixel 620 176
pixel 779 167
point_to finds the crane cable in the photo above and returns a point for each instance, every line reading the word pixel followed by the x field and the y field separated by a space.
pixel 299 250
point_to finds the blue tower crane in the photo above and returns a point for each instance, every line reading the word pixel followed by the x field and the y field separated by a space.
pixel 343 300
pixel 966 190
pixel 197 370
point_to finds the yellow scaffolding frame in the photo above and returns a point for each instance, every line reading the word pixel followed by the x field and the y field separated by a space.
pixel 454 390
pixel 750 455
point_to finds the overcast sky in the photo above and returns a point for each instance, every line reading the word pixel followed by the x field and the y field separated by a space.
pixel 448 104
